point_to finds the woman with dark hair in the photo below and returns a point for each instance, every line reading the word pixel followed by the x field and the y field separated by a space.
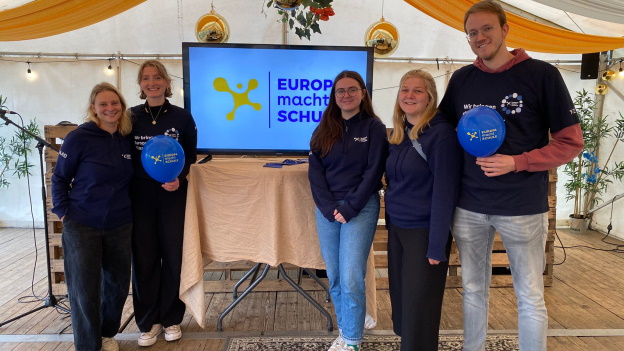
pixel 158 210
pixel 347 158
pixel 422 172
pixel 90 195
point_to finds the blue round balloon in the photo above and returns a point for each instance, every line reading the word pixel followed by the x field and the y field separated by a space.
pixel 162 158
pixel 481 131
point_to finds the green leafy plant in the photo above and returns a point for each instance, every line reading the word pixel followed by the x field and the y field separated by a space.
pixel 13 154
pixel 303 15
pixel 588 177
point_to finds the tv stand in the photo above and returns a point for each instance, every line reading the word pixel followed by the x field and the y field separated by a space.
pixel 205 159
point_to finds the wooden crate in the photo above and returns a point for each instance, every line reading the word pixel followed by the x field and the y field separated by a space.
pixel 499 256
pixel 54 136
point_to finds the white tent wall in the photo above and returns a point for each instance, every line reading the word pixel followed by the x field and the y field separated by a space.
pixel 158 27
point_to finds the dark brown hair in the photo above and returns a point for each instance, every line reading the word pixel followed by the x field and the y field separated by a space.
pixel 330 128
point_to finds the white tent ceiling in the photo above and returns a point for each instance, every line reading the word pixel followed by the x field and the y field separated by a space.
pixel 606 10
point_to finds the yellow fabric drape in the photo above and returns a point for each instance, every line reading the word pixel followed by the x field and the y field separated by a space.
pixel 43 18
pixel 523 33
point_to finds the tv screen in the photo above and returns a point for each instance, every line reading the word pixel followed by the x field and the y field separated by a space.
pixel 263 99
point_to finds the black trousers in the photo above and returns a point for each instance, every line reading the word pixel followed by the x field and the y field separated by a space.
pixel 416 288
pixel 157 253
pixel 97 271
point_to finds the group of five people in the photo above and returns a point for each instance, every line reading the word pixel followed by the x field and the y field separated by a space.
pixel 113 213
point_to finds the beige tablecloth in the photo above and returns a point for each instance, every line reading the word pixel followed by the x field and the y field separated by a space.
pixel 238 210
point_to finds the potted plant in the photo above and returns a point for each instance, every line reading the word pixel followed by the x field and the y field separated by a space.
pixel 303 15
pixel 13 154
pixel 589 176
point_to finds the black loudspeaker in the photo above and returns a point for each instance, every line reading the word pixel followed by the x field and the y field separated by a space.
pixel 589 65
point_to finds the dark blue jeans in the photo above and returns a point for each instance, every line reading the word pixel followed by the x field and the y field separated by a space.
pixel 97 272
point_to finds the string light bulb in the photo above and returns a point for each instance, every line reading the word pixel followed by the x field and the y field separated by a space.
pixel 29 71
pixel 109 70
pixel 30 75
pixel 621 70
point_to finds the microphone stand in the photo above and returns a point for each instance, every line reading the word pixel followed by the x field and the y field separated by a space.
pixel 50 300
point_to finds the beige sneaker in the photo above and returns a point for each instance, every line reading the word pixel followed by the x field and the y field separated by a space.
pixel 149 338
pixel 173 333
pixel 109 344
pixel 337 345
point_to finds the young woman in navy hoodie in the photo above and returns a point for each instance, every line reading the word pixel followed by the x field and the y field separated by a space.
pixel 423 172
pixel 90 195
pixel 347 158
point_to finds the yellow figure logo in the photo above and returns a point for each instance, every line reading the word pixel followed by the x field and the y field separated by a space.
pixel 472 135
pixel 156 159
pixel 240 99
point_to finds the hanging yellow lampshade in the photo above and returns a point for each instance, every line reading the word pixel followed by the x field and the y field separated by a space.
pixel 383 37
pixel 212 28
pixel 601 89
pixel 288 5
pixel 608 75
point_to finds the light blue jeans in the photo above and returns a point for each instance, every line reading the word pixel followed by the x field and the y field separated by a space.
pixel 345 249
pixel 524 238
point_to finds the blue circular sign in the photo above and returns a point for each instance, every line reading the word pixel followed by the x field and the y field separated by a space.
pixel 162 158
pixel 481 131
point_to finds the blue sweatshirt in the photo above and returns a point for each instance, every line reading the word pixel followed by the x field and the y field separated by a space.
pixel 352 170
pixel 423 194
pixel 91 178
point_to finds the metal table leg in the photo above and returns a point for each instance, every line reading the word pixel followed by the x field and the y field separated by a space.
pixel 245 293
pixel 316 279
pixel 330 325
pixel 253 271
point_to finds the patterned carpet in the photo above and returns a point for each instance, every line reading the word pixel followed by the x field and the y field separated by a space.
pixel 370 343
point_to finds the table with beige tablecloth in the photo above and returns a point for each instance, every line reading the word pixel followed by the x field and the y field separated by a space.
pixel 237 210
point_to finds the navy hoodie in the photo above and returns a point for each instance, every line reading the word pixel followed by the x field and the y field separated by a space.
pixel 91 178
pixel 352 170
pixel 423 194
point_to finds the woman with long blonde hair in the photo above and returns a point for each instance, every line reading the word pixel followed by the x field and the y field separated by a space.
pixel 422 171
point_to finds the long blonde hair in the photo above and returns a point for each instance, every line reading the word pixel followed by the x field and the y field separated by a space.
pixel 124 127
pixel 398 118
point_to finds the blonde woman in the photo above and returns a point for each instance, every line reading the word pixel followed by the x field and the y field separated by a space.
pixel 90 195
pixel 423 172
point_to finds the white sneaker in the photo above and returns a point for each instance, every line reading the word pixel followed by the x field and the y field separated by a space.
pixel 149 338
pixel 109 344
pixel 337 345
pixel 173 333
pixel 369 322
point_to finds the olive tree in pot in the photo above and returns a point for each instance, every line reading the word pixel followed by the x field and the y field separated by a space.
pixel 589 177
pixel 14 152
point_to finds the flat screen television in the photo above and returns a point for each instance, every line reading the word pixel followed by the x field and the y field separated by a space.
pixel 261 99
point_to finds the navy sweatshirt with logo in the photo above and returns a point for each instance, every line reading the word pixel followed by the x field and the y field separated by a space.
pixel 352 170
pixel 423 193
pixel 91 178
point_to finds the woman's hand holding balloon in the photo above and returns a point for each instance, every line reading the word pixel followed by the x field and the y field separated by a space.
pixel 172 186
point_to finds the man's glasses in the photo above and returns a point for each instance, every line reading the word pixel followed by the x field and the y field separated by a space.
pixel 473 34
pixel 352 92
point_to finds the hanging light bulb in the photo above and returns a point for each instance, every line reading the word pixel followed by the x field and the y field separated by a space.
pixel 109 70
pixel 621 70
pixel 30 75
